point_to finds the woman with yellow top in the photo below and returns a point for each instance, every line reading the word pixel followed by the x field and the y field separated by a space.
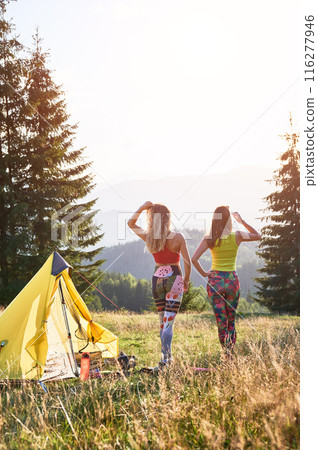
pixel 223 284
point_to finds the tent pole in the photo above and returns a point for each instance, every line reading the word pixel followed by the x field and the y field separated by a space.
pixel 68 328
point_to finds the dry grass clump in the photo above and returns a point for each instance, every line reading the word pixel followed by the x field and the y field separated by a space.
pixel 250 401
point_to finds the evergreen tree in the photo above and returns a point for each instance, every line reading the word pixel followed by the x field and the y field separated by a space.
pixel 125 291
pixel 188 298
pixel 139 295
pixel 13 227
pixel 57 178
pixel 40 172
pixel 278 288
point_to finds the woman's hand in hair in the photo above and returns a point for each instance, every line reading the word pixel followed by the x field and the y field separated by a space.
pixel 245 236
pixel 146 205
pixel 237 216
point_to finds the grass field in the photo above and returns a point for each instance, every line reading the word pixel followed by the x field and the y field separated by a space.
pixel 249 402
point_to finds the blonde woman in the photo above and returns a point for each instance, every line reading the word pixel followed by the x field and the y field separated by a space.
pixel 168 285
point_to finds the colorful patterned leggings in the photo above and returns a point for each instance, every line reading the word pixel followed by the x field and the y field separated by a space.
pixel 167 288
pixel 224 292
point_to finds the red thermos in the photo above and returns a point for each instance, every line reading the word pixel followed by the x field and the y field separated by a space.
pixel 85 363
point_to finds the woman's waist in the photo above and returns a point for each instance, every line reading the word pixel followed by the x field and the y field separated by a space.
pixel 222 273
pixel 224 264
pixel 168 264
pixel 224 256
pixel 167 260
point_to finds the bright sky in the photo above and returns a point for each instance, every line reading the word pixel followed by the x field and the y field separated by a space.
pixel 164 87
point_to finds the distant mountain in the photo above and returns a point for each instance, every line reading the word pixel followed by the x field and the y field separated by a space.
pixel 189 198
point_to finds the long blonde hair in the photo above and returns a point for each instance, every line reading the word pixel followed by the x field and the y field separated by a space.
pixel 158 227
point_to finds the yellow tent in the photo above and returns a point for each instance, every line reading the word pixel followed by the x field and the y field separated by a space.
pixel 47 325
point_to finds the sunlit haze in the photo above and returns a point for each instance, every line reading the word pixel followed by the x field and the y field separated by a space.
pixel 164 88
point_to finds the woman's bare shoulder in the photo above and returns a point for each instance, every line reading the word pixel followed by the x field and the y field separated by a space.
pixel 179 237
pixel 174 235
pixel 174 241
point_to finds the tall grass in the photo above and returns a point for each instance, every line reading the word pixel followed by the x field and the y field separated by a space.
pixel 251 401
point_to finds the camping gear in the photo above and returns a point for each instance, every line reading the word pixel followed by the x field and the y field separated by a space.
pixel 47 326
pixel 95 374
pixel 85 363
pixel 126 362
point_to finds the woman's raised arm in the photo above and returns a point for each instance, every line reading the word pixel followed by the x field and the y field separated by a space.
pixel 132 221
pixel 243 236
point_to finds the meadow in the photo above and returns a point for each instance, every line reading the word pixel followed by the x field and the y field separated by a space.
pixel 251 401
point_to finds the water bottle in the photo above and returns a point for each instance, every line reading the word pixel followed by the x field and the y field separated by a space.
pixel 85 363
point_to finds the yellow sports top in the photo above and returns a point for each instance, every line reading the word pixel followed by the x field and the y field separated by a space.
pixel 224 256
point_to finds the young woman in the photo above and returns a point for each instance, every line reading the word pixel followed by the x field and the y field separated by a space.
pixel 223 284
pixel 168 284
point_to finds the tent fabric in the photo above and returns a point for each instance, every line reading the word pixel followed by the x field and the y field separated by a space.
pixel 59 264
pixel 95 332
pixel 37 346
pixel 27 324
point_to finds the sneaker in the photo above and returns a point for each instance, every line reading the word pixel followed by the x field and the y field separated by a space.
pixel 157 369
pixel 160 367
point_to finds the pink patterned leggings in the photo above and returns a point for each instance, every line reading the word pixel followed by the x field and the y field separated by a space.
pixel 167 288
pixel 224 293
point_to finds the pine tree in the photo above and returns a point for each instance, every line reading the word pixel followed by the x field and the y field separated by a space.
pixel 40 172
pixel 278 288
pixel 13 228
pixel 57 178
pixel 188 298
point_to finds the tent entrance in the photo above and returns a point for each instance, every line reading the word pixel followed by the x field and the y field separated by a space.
pixel 60 361
pixel 73 359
